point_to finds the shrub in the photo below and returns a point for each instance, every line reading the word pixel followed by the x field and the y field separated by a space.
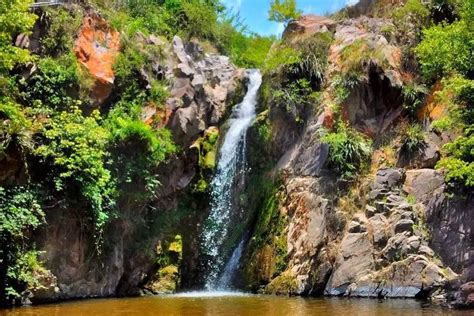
pixel 62 28
pixel 54 86
pixel 15 19
pixel 348 151
pixel 20 212
pixel 74 147
pixel 459 159
pixel 137 149
pixel 448 47
pixel 313 54
pixel 413 138
pixel 280 56
pixel 15 125
pixel 294 97
pixel 413 96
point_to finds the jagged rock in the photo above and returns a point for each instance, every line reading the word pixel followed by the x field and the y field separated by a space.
pixel 370 211
pixel 464 297
pixel 425 157
pixel 423 183
pixel 96 48
pixel 354 260
pixel 412 277
pixel 389 178
pixel 307 25
pixel 404 225
pixel 379 227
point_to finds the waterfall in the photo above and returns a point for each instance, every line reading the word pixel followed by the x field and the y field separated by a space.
pixel 231 163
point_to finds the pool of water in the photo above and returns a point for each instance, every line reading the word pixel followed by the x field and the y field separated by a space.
pixel 228 303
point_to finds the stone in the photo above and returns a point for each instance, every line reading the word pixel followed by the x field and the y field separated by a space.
pixel 404 225
pixel 354 260
pixel 389 178
pixel 370 210
pixel 356 227
pixel 96 48
pixel 426 251
pixel 379 229
pixel 423 183
pixel 307 25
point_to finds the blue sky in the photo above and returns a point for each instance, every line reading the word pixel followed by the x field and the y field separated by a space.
pixel 255 12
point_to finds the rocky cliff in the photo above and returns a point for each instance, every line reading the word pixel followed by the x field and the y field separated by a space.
pixel 394 232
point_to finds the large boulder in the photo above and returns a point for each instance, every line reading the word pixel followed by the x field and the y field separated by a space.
pixel 96 48
pixel 306 25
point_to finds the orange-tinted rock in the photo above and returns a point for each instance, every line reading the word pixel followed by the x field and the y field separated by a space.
pixel 307 25
pixel 433 109
pixel 326 119
pixel 156 116
pixel 96 48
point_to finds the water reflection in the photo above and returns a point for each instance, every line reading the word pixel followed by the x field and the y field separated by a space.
pixel 235 305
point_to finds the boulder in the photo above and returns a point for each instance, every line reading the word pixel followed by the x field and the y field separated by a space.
pixel 96 48
pixel 307 25
pixel 423 183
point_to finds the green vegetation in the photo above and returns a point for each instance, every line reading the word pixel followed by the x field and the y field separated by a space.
pixel 15 19
pixel 349 151
pixel 283 11
pixel 20 213
pixel 413 96
pixel 413 138
pixel 446 53
pixel 448 48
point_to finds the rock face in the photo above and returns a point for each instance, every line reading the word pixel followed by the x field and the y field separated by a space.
pixel 96 48
pixel 202 86
pixel 202 90
pixel 307 25
pixel 375 239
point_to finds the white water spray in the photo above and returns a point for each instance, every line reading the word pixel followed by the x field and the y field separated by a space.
pixel 231 162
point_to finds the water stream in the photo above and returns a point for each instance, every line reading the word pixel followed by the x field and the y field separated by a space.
pixel 231 163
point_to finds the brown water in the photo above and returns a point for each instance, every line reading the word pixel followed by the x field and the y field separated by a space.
pixel 197 304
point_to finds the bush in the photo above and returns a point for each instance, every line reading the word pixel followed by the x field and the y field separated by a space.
pixel 414 96
pixel 459 160
pixel 14 126
pixel 137 149
pixel 15 19
pixel 349 151
pixel 74 148
pixel 62 28
pixel 294 97
pixel 20 212
pixel 413 138
pixel 54 86
pixel 448 47
pixel 313 59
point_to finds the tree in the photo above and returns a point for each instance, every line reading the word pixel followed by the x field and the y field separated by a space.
pixel 283 11
pixel 14 19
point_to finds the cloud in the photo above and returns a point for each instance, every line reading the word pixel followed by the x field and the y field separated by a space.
pixel 351 2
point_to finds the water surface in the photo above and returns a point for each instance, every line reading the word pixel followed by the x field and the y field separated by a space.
pixel 229 303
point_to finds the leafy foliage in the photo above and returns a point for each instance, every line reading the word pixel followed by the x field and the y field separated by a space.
pixel 283 11
pixel 54 85
pixel 14 19
pixel 74 147
pixel 20 212
pixel 348 151
pixel 62 27
pixel 448 47
pixel 413 138
pixel 413 96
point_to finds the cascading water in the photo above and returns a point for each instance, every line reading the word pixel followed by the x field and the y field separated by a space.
pixel 231 162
